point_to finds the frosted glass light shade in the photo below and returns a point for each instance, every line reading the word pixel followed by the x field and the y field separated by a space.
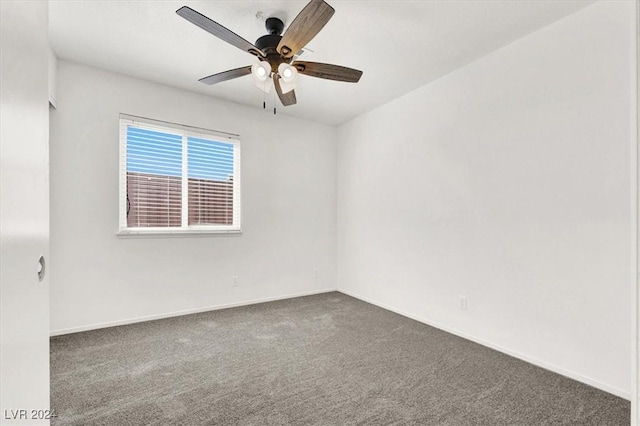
pixel 261 73
pixel 265 85
pixel 288 77
pixel 261 70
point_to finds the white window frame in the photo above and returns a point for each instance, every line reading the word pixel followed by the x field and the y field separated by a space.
pixel 186 132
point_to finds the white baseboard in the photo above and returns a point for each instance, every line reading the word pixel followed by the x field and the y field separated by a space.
pixel 547 366
pixel 185 312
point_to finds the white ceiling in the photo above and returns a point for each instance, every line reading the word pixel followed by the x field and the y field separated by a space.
pixel 399 45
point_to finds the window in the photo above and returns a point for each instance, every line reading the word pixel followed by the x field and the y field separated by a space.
pixel 177 179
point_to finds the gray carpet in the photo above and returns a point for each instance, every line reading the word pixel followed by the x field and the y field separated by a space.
pixel 327 359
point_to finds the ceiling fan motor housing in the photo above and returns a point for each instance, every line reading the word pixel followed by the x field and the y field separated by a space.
pixel 269 43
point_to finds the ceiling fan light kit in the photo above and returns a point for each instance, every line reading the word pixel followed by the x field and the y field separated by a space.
pixel 288 77
pixel 261 72
pixel 276 53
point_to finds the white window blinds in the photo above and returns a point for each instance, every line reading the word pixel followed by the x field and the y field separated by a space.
pixel 154 178
pixel 177 179
pixel 210 175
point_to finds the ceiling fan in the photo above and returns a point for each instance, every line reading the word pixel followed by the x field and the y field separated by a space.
pixel 277 53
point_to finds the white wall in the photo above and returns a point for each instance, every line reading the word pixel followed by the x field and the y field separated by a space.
pixel 508 182
pixel 288 196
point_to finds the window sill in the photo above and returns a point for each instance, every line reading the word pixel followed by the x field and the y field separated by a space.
pixel 155 233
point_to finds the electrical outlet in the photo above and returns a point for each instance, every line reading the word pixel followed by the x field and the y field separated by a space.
pixel 463 303
pixel 235 281
pixel 316 273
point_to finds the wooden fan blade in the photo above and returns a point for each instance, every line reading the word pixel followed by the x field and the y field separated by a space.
pixel 288 98
pixel 304 27
pixel 328 71
pixel 226 75
pixel 218 30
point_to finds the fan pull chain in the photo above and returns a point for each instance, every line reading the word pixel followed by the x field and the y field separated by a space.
pixel 274 103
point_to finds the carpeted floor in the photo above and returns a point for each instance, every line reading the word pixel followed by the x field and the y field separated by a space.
pixel 327 359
